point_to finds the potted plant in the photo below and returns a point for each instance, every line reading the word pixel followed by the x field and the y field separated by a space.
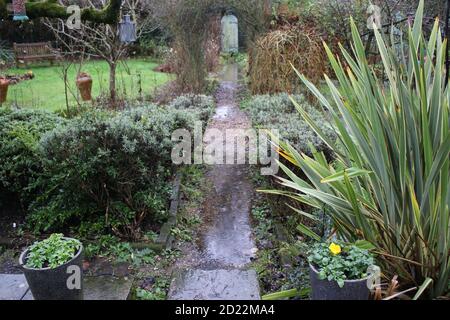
pixel 339 272
pixel 53 268
pixel 4 84
pixel 84 84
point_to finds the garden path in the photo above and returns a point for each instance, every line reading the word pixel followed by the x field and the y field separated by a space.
pixel 220 270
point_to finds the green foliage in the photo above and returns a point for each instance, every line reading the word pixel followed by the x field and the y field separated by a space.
pixel 101 246
pixel 108 173
pixel 51 252
pixel 6 55
pixel 277 112
pixel 158 291
pixel 181 234
pixel 111 247
pixel 264 227
pixel 20 164
pixel 350 264
pixel 390 182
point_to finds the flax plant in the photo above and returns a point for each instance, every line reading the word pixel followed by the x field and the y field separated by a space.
pixel 389 182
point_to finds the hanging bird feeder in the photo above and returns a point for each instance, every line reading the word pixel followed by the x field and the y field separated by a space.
pixel 127 30
pixel 20 12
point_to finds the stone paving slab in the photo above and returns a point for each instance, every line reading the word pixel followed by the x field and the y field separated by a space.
pixel 107 288
pixel 12 286
pixel 215 285
pixel 15 287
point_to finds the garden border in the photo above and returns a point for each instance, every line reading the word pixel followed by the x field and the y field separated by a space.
pixel 165 238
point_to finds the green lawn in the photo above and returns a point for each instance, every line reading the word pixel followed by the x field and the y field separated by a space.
pixel 46 90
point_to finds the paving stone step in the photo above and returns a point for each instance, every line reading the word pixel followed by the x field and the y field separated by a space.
pixel 15 287
pixel 215 285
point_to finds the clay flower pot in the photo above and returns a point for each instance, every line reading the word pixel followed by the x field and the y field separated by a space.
pixel 84 84
pixel 4 84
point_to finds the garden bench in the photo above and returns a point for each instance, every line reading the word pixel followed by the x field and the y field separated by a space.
pixel 26 52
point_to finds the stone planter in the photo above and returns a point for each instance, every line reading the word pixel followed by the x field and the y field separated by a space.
pixel 329 290
pixel 84 84
pixel 4 84
pixel 57 283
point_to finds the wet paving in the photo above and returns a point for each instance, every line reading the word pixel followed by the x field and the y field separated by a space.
pixel 228 240
pixel 226 244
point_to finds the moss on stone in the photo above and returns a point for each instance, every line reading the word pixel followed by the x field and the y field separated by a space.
pixel 51 9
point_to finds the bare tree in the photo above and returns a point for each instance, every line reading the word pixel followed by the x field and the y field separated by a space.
pixel 102 40
pixel 188 22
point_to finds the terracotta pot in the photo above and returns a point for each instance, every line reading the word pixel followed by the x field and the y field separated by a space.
pixel 84 84
pixel 4 84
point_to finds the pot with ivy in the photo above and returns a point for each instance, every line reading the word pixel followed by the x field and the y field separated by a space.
pixel 53 268
pixel 340 271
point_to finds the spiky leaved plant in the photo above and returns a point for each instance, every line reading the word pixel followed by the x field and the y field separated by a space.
pixel 389 184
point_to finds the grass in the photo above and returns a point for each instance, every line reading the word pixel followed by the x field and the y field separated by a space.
pixel 46 90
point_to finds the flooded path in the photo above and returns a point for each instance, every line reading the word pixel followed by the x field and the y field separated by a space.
pixel 219 270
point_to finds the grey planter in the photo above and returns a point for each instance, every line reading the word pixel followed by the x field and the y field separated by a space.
pixel 330 290
pixel 52 284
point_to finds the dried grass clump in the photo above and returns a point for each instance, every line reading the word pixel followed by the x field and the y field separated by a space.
pixel 270 69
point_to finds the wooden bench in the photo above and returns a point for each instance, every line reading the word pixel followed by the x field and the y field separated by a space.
pixel 31 52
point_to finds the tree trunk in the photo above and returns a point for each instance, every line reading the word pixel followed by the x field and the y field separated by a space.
pixel 112 83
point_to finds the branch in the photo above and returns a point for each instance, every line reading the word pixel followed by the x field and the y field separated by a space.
pixel 51 9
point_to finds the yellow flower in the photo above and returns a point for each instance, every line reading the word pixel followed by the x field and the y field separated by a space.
pixel 335 248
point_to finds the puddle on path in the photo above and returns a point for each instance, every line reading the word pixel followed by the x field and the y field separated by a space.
pixel 226 244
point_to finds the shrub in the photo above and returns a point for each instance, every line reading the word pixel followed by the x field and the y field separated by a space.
pixel 278 112
pixel 104 172
pixel 20 165
pixel 202 106
pixel 389 184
